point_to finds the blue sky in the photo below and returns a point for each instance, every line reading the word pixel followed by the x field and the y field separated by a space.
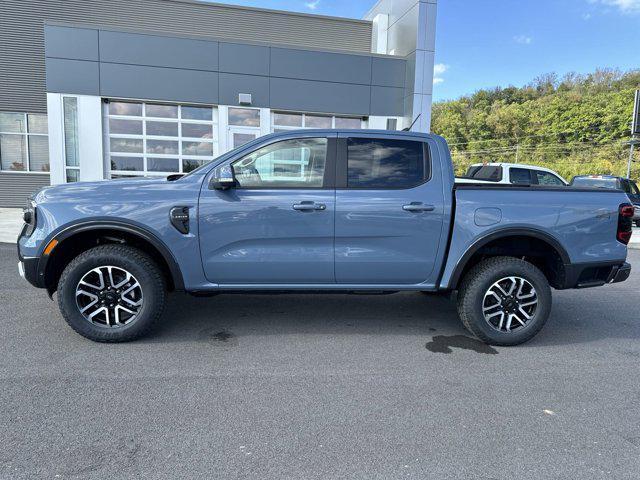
pixel 487 43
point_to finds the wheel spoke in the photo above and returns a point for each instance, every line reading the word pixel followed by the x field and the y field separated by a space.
pixel 509 304
pixel 101 301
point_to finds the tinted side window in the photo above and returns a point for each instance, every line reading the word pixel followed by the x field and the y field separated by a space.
pixel 520 176
pixel 546 178
pixel 382 163
pixel 491 173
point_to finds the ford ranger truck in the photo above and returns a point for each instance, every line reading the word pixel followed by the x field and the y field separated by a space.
pixel 321 211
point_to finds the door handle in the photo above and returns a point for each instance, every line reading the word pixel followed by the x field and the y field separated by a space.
pixel 418 207
pixel 308 206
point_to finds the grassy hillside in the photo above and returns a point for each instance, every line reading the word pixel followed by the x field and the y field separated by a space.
pixel 575 125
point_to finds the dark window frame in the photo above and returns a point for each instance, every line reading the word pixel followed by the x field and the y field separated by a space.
pixel 342 163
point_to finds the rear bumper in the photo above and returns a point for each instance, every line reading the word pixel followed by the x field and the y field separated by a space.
pixel 586 275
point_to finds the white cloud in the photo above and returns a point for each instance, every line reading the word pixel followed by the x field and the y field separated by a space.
pixel 586 16
pixel 312 5
pixel 438 70
pixel 625 6
pixel 523 39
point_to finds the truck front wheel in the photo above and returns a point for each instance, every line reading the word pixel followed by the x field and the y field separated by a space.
pixel 504 301
pixel 111 293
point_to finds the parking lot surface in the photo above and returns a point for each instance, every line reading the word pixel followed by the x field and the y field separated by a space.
pixel 327 386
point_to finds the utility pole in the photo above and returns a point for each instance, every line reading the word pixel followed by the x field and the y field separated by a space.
pixel 635 130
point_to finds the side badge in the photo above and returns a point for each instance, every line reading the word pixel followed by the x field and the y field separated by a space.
pixel 179 217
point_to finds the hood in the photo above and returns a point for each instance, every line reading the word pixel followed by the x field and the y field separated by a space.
pixel 79 191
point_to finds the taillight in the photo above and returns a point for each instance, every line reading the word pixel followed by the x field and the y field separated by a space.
pixel 625 214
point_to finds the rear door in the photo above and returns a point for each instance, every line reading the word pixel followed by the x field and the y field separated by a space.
pixel 389 211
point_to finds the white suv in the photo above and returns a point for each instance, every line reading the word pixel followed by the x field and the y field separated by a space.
pixel 515 173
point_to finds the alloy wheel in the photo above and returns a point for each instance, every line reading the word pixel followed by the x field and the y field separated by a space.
pixel 510 304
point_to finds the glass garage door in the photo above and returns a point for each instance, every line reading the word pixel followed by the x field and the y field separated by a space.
pixel 149 139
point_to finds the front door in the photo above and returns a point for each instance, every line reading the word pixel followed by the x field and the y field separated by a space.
pixel 276 227
pixel 389 212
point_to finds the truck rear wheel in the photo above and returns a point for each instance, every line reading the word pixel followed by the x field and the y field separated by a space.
pixel 111 293
pixel 504 301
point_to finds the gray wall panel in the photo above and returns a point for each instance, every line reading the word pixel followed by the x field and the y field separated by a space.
pixel 153 50
pixel 388 72
pixel 243 58
pixel 387 101
pixel 132 81
pixel 232 84
pixel 76 43
pixel 15 188
pixel 22 66
pixel 73 76
pixel 313 96
pixel 312 65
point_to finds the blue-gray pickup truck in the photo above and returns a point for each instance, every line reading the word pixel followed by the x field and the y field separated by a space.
pixel 322 211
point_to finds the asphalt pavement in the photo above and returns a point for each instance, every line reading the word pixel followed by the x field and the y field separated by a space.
pixel 321 387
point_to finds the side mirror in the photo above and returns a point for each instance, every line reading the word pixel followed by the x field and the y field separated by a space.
pixel 223 178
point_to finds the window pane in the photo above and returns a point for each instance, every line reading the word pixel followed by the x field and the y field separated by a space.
pixel 520 176
pixel 165 147
pixel 70 107
pixel 491 173
pixel 197 113
pixel 125 108
pixel 287 119
pixel 342 122
pixel 127 127
pixel 162 164
pixel 164 111
pixel 317 121
pixel 244 117
pixel 197 130
pixel 134 164
pixel 546 178
pixel 376 163
pixel 37 123
pixel 197 148
pixel 38 153
pixel 125 145
pixel 291 163
pixel 240 139
pixel 12 123
pixel 164 129
pixel 13 152
pixel 190 165
pixel 73 175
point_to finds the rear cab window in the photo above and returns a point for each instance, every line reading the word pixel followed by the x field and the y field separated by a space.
pixel 378 163
pixel 595 182
pixel 490 173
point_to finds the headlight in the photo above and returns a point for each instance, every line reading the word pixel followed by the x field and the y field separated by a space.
pixel 29 217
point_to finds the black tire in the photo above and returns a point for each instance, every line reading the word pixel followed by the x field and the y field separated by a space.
pixel 638 223
pixel 479 280
pixel 140 265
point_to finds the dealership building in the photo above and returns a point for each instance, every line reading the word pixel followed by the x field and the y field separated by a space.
pixel 103 89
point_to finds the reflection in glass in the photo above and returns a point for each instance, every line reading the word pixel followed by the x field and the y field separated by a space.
pixel 190 165
pixel 163 111
pixel 73 175
pixel 197 148
pixel 134 164
pixel 240 139
pixel 37 123
pixel 162 164
pixel 127 127
pixel 70 113
pixel 197 130
pixel 38 153
pixel 342 122
pixel 13 152
pixel 125 108
pixel 162 129
pixel 247 117
pixel 197 113
pixel 165 147
pixel 12 123
pixel 317 121
pixel 287 119
pixel 125 145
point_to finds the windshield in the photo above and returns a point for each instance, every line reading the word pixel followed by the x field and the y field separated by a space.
pixel 595 182
pixel 491 173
